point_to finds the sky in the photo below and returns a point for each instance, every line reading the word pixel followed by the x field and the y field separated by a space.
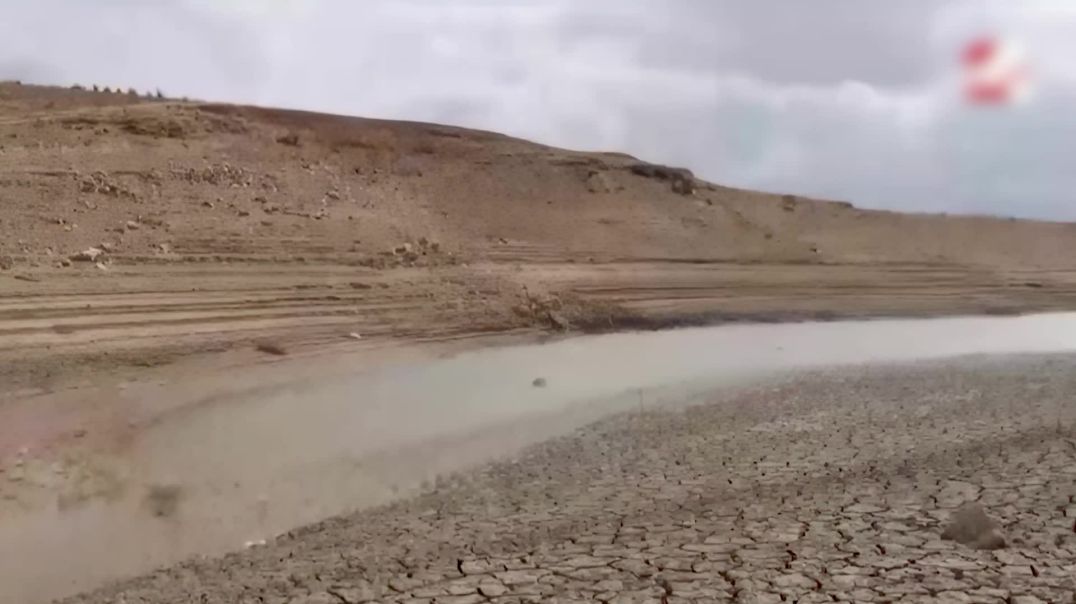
pixel 855 100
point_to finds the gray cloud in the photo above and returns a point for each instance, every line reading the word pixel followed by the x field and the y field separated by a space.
pixel 847 100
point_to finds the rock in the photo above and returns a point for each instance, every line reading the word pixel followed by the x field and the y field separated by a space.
pixel 64 263
pixel 244 213
pixel 207 204
pixel 272 348
pixel 131 225
pixel 558 320
pixel 683 186
pixel 683 181
pixel 163 500
pixel 290 139
pixel 405 248
pixel 6 263
pixel 354 336
pixel 106 247
pixel 88 255
pixel 971 526
pixel 597 182
pixel 29 278
pixel 101 266
pixel 539 382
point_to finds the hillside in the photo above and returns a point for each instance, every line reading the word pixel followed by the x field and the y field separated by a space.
pixel 136 231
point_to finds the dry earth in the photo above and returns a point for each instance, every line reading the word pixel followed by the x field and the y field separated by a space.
pixel 138 231
pixel 141 235
pixel 832 486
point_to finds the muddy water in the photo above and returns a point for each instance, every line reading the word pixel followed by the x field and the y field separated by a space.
pixel 210 477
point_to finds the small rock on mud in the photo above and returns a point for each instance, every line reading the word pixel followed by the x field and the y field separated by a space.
pixel 162 500
pixel 971 526
pixel 88 255
pixel 273 348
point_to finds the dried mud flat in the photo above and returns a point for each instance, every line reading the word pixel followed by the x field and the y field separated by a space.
pixel 828 486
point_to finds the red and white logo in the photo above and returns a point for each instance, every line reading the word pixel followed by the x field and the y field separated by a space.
pixel 995 72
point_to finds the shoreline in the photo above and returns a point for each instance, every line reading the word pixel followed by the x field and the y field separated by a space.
pixel 814 486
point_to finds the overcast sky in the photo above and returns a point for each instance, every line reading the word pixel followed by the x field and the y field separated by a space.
pixel 842 99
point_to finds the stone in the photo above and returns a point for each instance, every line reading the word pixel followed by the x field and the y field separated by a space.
pixel 272 348
pixel 88 255
pixel 131 225
pixel 162 500
pixel 539 382
pixel 970 526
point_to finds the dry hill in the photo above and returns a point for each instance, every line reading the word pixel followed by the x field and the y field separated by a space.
pixel 138 230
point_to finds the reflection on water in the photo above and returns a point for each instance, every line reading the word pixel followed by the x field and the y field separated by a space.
pixel 212 477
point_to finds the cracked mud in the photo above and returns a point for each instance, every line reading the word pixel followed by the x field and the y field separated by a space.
pixel 829 486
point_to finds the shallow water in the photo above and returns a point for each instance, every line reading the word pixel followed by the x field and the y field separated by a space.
pixel 251 465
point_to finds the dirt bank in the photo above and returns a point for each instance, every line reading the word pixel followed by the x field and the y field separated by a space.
pixel 139 231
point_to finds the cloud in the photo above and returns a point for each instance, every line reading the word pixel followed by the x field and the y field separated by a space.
pixel 829 98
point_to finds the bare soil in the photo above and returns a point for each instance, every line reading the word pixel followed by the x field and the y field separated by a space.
pixel 146 240
pixel 137 231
